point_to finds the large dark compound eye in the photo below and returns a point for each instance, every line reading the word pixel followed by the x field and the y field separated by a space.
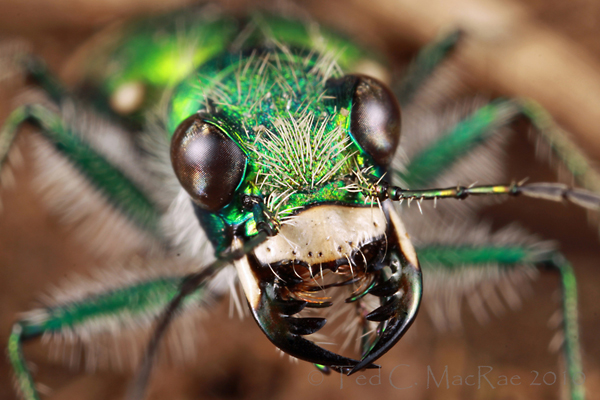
pixel 208 164
pixel 375 119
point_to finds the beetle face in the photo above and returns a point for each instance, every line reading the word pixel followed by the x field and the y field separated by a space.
pixel 299 151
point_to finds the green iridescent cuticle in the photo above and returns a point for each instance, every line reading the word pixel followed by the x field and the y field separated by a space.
pixel 276 105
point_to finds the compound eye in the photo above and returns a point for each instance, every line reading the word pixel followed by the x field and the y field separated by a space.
pixel 375 119
pixel 208 164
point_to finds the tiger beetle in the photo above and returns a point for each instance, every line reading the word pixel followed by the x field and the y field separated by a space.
pixel 264 151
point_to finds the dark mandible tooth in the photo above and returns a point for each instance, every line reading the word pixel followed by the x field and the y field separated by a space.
pixel 340 262
pixel 384 312
pixel 402 308
pixel 305 326
pixel 290 273
pixel 386 288
pixel 278 329
pixel 291 307
pixel 290 278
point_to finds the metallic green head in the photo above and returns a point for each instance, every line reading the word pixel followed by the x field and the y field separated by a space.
pixel 282 125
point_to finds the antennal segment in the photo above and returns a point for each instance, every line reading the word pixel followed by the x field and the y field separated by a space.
pixel 542 190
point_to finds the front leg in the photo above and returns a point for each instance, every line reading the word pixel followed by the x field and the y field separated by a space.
pixel 105 307
pixel 107 205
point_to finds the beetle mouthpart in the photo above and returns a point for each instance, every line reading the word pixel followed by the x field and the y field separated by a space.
pixel 400 297
pixel 306 282
pixel 285 290
pixel 275 303
pixel 275 317
pixel 273 309
pixel 376 274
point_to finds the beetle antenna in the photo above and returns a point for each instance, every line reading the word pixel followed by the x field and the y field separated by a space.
pixel 542 190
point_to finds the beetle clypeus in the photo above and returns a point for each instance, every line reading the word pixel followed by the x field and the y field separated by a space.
pixel 301 141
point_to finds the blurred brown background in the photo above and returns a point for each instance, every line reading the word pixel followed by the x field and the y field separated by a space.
pixel 547 50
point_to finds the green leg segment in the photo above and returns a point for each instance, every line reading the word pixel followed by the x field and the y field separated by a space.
pixel 506 258
pixel 123 194
pixel 18 60
pixel 189 287
pixel 562 146
pixel 455 144
pixel 476 129
pixel 25 382
pixel 141 302
pixel 424 65
pixel 37 69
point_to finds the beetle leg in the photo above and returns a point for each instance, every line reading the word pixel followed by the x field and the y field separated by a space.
pixel 121 192
pixel 189 285
pixel 502 260
pixel 17 60
pixel 89 313
pixel 427 61
pixel 433 161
